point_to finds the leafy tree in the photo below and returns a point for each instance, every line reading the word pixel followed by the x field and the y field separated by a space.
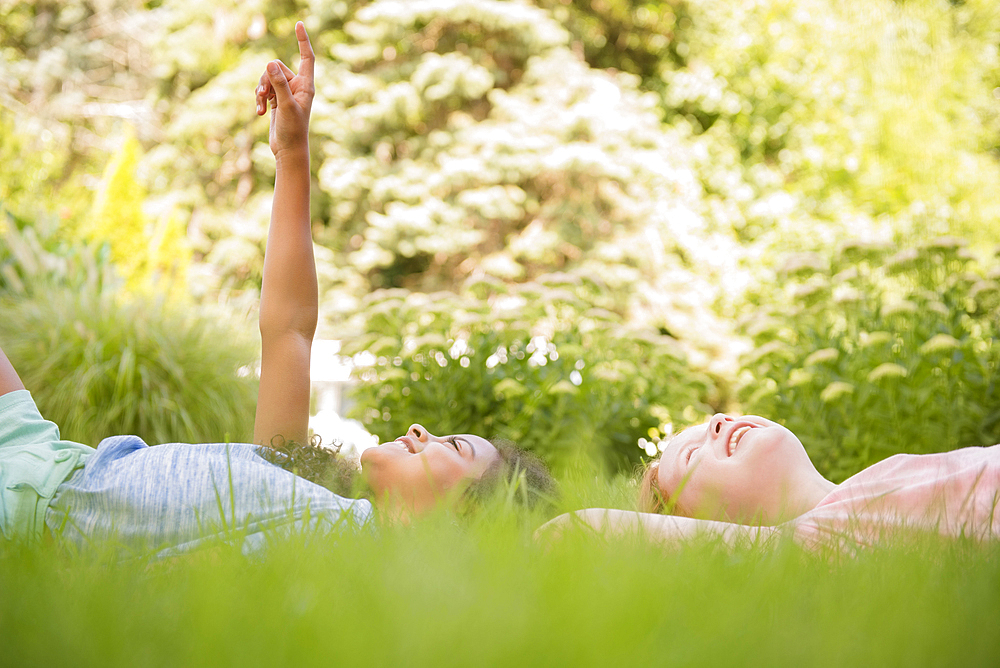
pixel 874 109
pixel 71 72
pixel 634 36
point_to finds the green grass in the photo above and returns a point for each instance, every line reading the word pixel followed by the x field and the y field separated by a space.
pixel 484 592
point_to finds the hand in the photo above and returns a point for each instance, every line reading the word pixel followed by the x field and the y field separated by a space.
pixel 291 97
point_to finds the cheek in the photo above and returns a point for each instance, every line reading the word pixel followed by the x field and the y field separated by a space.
pixel 714 489
pixel 425 476
pixel 687 491
pixel 664 484
pixel 701 490
pixel 445 473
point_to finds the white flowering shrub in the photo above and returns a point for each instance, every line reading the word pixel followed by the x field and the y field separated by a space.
pixel 879 351
pixel 465 139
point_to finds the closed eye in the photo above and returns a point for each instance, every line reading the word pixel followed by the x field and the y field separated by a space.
pixel 454 442
pixel 690 452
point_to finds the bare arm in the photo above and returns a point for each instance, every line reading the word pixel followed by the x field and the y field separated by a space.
pixel 289 295
pixel 9 380
pixel 668 530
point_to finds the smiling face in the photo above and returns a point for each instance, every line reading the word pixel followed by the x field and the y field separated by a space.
pixel 743 469
pixel 415 472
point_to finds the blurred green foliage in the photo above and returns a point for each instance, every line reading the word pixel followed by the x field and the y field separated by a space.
pixel 883 109
pixel 100 361
pixel 543 365
pixel 149 254
pixel 879 351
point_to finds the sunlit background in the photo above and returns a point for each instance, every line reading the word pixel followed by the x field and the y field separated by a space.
pixel 577 224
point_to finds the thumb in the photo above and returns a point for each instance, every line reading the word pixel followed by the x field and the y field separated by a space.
pixel 280 84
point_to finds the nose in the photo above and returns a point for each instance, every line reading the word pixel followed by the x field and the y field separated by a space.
pixel 418 432
pixel 715 424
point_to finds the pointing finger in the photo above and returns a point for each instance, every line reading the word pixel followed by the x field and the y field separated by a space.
pixel 307 58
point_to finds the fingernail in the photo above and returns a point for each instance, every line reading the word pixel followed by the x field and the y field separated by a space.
pixel 272 68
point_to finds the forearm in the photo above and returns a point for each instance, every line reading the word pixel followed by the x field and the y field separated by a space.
pixel 667 530
pixel 670 529
pixel 289 293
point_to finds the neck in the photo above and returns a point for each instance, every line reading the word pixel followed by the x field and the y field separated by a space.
pixel 806 496
pixel 394 507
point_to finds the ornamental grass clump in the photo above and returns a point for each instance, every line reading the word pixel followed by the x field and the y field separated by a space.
pixel 100 365
pixel 101 361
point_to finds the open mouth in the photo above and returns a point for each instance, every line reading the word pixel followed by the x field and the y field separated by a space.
pixel 404 443
pixel 734 439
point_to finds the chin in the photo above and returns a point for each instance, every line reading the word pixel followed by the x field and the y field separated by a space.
pixel 366 456
pixel 372 461
pixel 379 453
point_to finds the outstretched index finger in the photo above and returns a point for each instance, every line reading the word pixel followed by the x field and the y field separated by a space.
pixel 306 56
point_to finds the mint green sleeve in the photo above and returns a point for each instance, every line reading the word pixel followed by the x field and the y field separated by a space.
pixel 34 461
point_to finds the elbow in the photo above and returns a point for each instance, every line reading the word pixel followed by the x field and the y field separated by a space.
pixel 301 322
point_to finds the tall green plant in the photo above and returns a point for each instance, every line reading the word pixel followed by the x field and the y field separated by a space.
pixel 101 362
pixel 876 353
pixel 99 365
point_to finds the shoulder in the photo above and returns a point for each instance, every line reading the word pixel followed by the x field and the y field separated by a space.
pixel 936 464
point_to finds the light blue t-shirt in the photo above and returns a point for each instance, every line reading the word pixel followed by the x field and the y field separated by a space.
pixel 169 499
pixel 34 461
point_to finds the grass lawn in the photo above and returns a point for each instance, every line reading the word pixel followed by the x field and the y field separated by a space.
pixel 484 592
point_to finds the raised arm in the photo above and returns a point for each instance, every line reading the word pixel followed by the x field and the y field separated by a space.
pixel 289 294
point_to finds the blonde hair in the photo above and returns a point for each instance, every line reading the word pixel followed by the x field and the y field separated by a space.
pixel 650 497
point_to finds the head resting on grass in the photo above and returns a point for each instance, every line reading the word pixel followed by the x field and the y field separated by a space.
pixel 743 469
pixel 420 471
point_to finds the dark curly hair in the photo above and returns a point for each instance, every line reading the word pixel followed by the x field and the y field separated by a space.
pixel 317 463
pixel 522 473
